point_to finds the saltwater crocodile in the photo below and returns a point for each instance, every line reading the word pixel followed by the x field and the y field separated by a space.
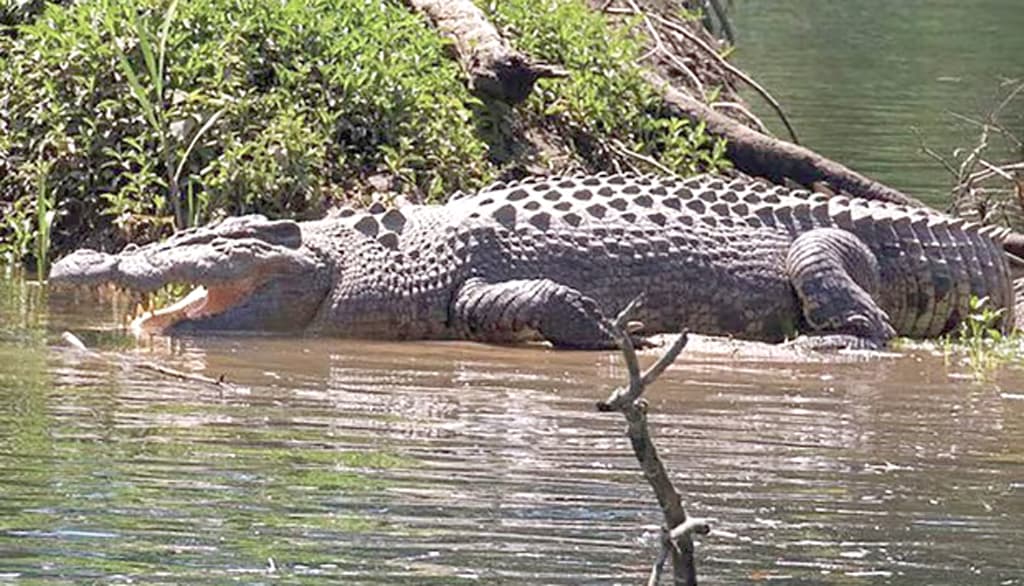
pixel 552 257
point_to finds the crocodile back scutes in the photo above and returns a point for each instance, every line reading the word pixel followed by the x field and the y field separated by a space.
pixel 932 264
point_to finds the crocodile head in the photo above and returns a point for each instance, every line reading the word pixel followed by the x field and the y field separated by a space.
pixel 248 273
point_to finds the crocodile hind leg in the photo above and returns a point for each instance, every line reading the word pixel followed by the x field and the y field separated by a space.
pixel 502 311
pixel 836 277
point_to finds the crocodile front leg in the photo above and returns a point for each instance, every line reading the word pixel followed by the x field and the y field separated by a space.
pixel 505 310
pixel 836 277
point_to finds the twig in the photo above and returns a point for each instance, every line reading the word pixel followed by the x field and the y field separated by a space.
pixel 1006 101
pixel 678 531
pixel 659 48
pixel 994 124
pixel 620 148
pixel 993 169
pixel 744 111
pixel 932 154
pixel 682 30
pixel 1003 171
pixel 658 45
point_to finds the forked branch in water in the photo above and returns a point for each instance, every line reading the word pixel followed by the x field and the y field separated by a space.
pixel 677 535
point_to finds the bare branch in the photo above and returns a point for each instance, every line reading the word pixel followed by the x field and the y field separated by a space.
pixel 757 122
pixel 932 154
pixel 628 399
pixel 129 362
pixel 711 52
pixel 1003 171
pixel 659 46
pixel 651 374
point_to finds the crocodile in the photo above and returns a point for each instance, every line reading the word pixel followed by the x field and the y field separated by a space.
pixel 552 258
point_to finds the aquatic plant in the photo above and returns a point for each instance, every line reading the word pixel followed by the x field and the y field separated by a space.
pixel 981 341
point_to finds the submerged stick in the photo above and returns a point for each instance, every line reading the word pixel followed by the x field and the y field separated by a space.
pixel 678 531
pixel 76 343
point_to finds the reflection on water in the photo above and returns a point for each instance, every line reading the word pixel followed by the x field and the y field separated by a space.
pixel 446 463
pixel 858 78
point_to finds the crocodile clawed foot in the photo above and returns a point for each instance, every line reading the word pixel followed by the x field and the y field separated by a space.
pixel 835 343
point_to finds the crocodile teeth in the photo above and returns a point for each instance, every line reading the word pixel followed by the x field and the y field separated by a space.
pixel 189 306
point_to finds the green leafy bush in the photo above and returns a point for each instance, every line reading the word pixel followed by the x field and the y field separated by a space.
pixel 312 97
pixel 122 120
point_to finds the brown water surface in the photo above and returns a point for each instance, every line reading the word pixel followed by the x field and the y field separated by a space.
pixel 419 463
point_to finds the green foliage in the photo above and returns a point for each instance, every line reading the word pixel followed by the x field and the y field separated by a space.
pixel 13 12
pixel 123 120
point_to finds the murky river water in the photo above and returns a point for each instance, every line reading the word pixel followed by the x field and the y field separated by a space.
pixel 865 81
pixel 445 463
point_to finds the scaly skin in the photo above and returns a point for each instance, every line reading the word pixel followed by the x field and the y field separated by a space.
pixel 554 256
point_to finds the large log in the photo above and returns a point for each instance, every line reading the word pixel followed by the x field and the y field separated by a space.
pixel 495 69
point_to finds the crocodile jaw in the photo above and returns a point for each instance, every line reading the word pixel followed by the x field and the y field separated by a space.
pixel 200 303
pixel 252 274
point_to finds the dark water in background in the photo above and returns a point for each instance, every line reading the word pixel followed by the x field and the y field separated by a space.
pixel 858 76
pixel 439 463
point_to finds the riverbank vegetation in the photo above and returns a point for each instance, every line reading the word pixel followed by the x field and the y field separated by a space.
pixel 121 121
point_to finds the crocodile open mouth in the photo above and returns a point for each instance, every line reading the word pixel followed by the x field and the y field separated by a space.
pixel 200 303
pixel 242 274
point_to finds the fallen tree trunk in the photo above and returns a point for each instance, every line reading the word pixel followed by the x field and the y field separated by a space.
pixel 495 69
